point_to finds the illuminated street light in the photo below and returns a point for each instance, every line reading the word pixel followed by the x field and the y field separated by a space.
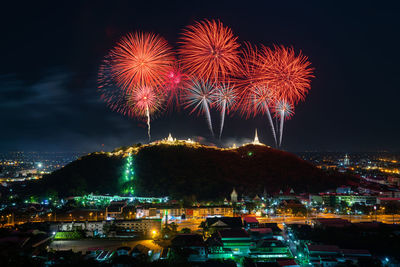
pixel 154 233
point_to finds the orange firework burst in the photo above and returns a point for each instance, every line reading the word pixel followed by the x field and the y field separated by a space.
pixel 250 91
pixel 209 50
pixel 288 74
pixel 141 59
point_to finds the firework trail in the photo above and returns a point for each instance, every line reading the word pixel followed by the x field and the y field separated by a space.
pixel 224 98
pixel 209 51
pixel 283 110
pixel 255 97
pixel 140 102
pixel 260 98
pixel 141 59
pixel 148 122
pixel 199 96
pixel 144 102
pixel 133 73
pixel 288 74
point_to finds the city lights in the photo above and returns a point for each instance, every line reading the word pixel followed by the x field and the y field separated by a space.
pixel 154 134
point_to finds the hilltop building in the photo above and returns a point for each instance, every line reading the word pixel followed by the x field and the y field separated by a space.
pixel 234 196
pixel 256 141
pixel 346 160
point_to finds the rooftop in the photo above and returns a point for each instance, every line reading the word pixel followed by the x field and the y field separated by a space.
pixel 323 248
pixel 250 219
pixel 188 240
pixel 261 230
pixel 226 222
pixel 239 233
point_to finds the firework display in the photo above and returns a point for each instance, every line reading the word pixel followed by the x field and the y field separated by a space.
pixel 224 99
pixel 143 76
pixel 287 73
pixel 209 50
pixel 144 102
pixel 258 101
pixel 175 82
pixel 199 98
pixel 283 110
pixel 141 59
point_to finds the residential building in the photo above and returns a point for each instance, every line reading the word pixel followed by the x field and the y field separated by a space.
pixel 270 249
pixel 250 222
pixel 236 240
pixel 192 242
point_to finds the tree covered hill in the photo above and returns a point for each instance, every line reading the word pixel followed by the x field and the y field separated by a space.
pixel 195 171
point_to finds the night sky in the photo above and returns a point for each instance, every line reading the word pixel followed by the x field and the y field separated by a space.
pixel 51 54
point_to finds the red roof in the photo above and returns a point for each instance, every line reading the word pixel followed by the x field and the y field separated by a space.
pixel 356 252
pixel 389 198
pixel 240 233
pixel 262 230
pixel 250 219
pixel 287 263
pixel 325 248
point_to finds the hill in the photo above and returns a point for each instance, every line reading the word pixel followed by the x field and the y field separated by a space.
pixel 181 170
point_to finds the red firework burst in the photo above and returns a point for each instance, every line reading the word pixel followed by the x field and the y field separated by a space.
pixel 260 100
pixel 144 101
pixel 251 93
pixel 288 74
pixel 141 59
pixel 175 81
pixel 209 51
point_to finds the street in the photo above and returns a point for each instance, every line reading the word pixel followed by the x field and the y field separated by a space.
pixel 103 244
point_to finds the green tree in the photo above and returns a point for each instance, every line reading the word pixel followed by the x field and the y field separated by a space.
pixel 186 230
pixel 169 230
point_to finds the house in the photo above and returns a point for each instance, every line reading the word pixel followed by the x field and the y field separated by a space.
pixel 142 227
pixel 250 222
pixel 270 249
pixel 191 242
pixel 236 240
pixel 160 211
pixel 215 224
pixel 325 255
pixel 115 209
pixel 260 233
pixel 139 249
pixel 276 231
pixel 288 263
pixel 215 248
pixel 204 211
pixel 91 228
pixel 354 255
pixel 123 251
pixel 287 195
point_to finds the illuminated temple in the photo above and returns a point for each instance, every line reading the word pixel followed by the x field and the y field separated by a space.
pixel 170 140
